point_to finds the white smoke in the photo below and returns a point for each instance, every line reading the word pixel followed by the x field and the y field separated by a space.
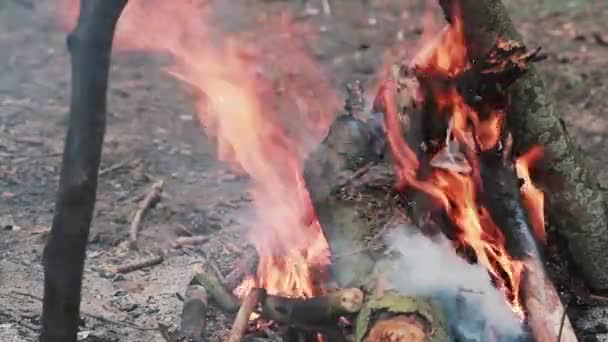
pixel 475 309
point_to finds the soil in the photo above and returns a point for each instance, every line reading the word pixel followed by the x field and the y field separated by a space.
pixel 153 133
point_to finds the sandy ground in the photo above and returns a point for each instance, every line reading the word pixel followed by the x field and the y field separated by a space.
pixel 153 133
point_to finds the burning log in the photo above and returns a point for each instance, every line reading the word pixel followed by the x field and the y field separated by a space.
pixel 242 318
pixel 90 45
pixel 577 205
pixel 313 311
pixel 214 287
pixel 194 314
pixel 545 313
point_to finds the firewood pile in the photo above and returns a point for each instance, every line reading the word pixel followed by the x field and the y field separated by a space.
pixel 364 189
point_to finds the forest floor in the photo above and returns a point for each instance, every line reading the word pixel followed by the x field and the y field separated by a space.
pixel 153 134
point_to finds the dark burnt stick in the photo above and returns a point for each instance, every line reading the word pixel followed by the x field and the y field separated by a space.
pixel 313 311
pixel 194 314
pixel 90 47
pixel 540 297
pixel 239 327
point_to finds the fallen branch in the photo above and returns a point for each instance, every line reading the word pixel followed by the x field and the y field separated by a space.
pixel 313 311
pixel 241 321
pixel 187 241
pixel 138 265
pixel 215 289
pixel 152 197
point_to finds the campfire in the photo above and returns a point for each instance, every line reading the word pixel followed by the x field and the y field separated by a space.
pixel 350 207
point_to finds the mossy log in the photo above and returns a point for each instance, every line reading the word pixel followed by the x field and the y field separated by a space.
pixel 385 315
pixel 576 204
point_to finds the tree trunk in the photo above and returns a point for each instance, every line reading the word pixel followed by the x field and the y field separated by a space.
pixel 386 315
pixel 90 47
pixel 576 203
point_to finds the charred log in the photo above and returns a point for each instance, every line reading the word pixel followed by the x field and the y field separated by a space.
pixel 543 306
pixel 577 206
pixel 313 311
pixel 90 45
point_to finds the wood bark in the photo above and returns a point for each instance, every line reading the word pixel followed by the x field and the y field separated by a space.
pixel 577 206
pixel 90 45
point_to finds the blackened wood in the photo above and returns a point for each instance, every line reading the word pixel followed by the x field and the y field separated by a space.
pixel 576 204
pixel 313 311
pixel 90 46
pixel 194 314
pixel 540 297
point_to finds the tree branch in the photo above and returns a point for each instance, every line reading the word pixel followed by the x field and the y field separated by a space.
pixel 90 46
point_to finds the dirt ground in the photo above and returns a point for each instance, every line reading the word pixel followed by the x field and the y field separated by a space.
pixel 152 134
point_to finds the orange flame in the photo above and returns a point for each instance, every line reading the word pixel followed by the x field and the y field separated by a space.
pixel 446 55
pixel 532 197
pixel 262 125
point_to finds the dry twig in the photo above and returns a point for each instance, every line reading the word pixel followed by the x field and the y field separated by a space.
pixel 115 166
pixel 138 265
pixel 148 202
pixel 184 241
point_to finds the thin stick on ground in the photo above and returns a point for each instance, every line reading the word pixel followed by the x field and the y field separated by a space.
pixel 115 166
pixel 90 315
pixel 138 265
pixel 187 241
pixel 148 202
pixel 241 321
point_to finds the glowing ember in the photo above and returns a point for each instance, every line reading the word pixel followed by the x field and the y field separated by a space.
pixel 532 197
pixel 239 104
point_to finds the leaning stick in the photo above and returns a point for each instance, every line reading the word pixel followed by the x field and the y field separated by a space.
pixel 250 303
pixel 313 311
pixel 148 202
pixel 215 289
